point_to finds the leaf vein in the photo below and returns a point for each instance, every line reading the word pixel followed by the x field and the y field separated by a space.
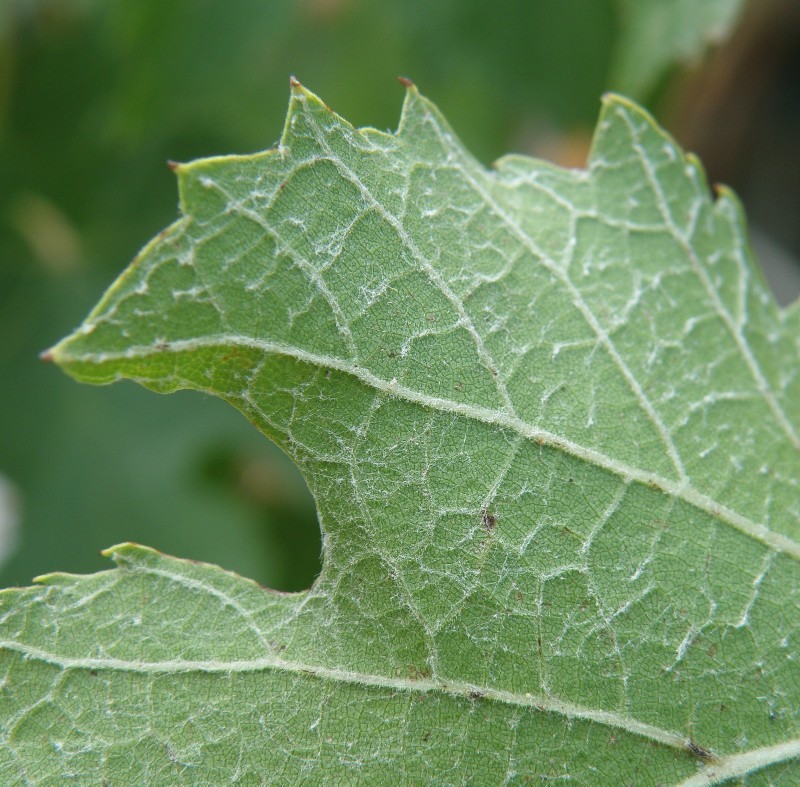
pixel 681 490
pixel 735 330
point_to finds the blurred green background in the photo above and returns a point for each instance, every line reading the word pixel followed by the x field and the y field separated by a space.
pixel 95 98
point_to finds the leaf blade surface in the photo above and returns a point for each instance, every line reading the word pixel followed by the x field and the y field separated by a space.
pixel 551 429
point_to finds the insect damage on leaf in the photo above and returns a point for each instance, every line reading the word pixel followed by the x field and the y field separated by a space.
pixel 604 356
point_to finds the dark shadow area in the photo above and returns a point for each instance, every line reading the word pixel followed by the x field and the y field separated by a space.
pixel 284 520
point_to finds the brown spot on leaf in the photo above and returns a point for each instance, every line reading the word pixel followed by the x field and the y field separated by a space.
pixel 699 751
pixel 489 519
pixel 416 673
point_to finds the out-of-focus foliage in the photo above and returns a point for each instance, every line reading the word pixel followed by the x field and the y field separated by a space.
pixel 657 33
pixel 94 98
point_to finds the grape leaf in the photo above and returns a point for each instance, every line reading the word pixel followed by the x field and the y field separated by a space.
pixel 550 420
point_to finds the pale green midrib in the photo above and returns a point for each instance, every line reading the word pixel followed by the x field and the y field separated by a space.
pixel 677 489
pixel 456 689
pixel 731 766
pixel 717 769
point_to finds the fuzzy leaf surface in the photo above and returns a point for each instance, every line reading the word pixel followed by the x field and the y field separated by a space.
pixel 550 419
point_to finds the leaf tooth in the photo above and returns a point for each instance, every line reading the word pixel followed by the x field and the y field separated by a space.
pixel 57 578
pixel 128 552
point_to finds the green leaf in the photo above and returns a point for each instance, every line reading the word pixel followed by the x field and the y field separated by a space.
pixel 550 419
pixel 656 34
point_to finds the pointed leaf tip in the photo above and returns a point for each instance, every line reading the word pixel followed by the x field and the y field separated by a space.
pixel 406 82
pixel 299 90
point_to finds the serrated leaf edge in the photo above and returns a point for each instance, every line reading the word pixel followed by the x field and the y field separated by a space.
pixel 724 767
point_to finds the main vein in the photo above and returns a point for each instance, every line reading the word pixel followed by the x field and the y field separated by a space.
pixel 679 490
pixel 457 689
pixel 744 763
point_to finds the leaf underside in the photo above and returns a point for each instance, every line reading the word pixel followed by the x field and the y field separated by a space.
pixel 550 419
